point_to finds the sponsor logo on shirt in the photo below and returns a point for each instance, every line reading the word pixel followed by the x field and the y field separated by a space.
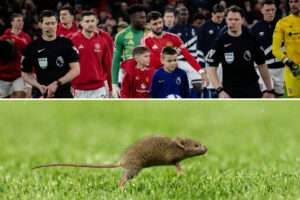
pixel 229 57
pixel 143 86
pixel 261 33
pixel 154 47
pixel 130 42
pixel 178 80
pixel 43 62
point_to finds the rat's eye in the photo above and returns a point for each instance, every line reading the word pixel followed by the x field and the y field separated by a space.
pixel 196 145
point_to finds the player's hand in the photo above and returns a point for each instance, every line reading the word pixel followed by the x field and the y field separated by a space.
pixel 224 95
pixel 52 89
pixel 110 95
pixel 43 89
pixel 204 78
pixel 178 51
pixel 115 91
pixel 270 96
pixel 295 69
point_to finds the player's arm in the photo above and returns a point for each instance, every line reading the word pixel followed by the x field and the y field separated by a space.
pixel 118 49
pixel 154 86
pixel 264 72
pixel 68 77
pixel 125 88
pixel 214 58
pixel 201 47
pixel 106 63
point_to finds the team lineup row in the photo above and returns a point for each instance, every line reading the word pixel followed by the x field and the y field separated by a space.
pixel 88 63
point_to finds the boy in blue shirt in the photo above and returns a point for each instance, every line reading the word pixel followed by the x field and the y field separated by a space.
pixel 169 80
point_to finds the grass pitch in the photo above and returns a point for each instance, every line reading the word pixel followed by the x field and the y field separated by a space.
pixel 253 149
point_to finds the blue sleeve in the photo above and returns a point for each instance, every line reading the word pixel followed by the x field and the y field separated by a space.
pixel 154 84
pixel 186 83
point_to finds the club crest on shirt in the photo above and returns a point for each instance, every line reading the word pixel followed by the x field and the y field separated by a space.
pixel 97 48
pixel 229 57
pixel 178 80
pixel 169 44
pixel 43 62
pixel 247 55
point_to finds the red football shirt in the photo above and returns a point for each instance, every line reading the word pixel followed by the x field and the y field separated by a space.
pixel 95 62
pixel 62 31
pixel 155 45
pixel 12 70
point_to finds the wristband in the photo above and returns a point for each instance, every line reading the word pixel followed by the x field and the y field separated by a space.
pixel 59 83
pixel 271 91
pixel 219 89
pixel 201 71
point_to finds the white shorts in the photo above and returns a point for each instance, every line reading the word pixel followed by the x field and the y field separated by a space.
pixel 219 74
pixel 277 81
pixel 7 88
pixel 99 93
pixel 192 74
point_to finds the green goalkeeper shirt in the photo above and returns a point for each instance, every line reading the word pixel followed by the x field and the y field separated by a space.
pixel 125 41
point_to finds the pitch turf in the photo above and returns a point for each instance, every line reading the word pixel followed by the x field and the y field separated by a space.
pixel 253 149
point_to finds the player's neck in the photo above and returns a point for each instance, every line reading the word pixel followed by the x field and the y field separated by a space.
pixel 235 34
pixel 46 38
pixel 87 34
pixel 141 67
pixel 157 36
pixel 16 31
pixel 68 25
pixel 297 14
pixel 183 23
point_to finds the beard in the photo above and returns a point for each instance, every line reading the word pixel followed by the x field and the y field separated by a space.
pixel 158 32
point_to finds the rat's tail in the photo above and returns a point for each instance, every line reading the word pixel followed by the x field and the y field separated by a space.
pixel 78 165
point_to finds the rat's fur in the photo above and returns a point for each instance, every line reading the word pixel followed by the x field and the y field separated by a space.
pixel 151 151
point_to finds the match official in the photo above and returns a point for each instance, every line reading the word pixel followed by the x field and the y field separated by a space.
pixel 55 60
pixel 237 50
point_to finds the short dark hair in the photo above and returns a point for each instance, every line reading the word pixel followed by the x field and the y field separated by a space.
pixel 135 8
pixel 138 50
pixel 234 9
pixel 15 15
pixel 183 9
pixel 88 13
pixel 47 13
pixel 218 9
pixel 68 8
pixel 269 2
pixel 169 10
pixel 168 50
pixel 153 15
pixel 198 15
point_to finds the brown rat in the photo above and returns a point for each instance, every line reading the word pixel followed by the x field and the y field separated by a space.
pixel 150 151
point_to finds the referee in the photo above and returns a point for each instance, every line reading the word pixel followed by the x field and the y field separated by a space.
pixel 237 51
pixel 55 60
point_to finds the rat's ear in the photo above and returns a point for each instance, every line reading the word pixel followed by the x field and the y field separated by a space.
pixel 180 142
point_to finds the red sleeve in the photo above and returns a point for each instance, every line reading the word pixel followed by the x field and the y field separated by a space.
pixel 190 59
pixel 155 61
pixel 125 87
pixel 106 63
pixel 177 42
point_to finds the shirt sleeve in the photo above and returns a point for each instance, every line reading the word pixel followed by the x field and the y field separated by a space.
pixel 201 48
pixel 125 87
pixel 258 52
pixel 214 55
pixel 154 84
pixel 277 41
pixel 118 49
pixel 27 59
pixel 73 54
pixel 106 63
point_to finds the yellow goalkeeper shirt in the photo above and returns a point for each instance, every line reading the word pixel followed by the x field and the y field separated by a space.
pixel 288 30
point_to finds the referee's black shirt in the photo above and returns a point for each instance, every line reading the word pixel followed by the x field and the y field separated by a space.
pixel 50 59
pixel 237 55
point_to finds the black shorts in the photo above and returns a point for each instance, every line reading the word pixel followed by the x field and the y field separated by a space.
pixel 61 92
pixel 251 91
